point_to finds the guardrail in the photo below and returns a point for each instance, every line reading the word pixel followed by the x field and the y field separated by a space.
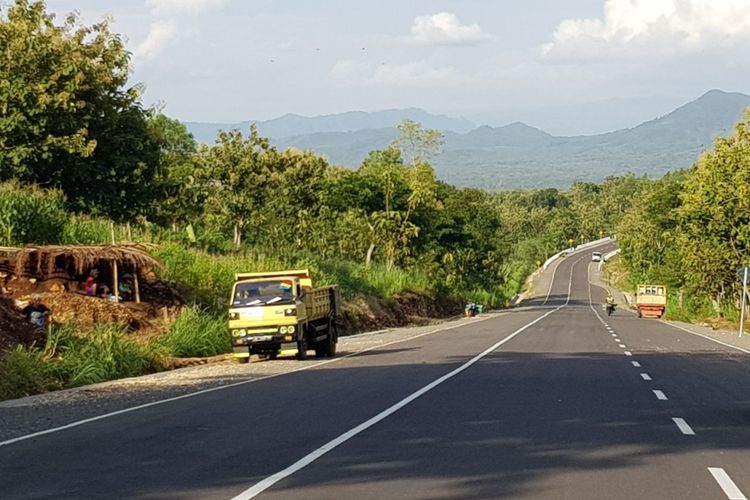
pixel 579 247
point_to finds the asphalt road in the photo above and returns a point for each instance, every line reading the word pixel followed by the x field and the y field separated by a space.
pixel 552 400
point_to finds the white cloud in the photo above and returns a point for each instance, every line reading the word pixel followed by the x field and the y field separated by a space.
pixel 165 28
pixel 445 28
pixel 159 35
pixel 638 28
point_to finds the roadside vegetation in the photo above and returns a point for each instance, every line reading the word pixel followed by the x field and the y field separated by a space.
pixel 381 231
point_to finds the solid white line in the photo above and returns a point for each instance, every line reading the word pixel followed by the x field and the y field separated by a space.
pixel 683 426
pixel 266 483
pixel 660 395
pixel 645 376
pixel 705 337
pixel 227 386
pixel 628 353
pixel 636 364
pixel 730 489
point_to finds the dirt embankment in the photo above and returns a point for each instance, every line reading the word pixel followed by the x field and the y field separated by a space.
pixel 15 329
pixel 365 313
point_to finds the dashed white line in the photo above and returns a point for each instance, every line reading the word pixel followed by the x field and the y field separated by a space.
pixel 636 364
pixel 645 376
pixel 683 426
pixel 660 395
pixel 628 353
pixel 623 346
pixel 730 489
pixel 614 335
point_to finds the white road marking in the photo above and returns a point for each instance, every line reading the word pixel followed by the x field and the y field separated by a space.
pixel 266 483
pixel 645 376
pixel 628 353
pixel 614 335
pixel 228 386
pixel 623 346
pixel 660 395
pixel 683 426
pixel 636 364
pixel 617 340
pixel 730 489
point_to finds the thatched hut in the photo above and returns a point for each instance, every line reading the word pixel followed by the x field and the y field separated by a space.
pixel 74 262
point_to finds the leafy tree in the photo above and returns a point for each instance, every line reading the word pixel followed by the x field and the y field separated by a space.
pixel 236 173
pixel 66 118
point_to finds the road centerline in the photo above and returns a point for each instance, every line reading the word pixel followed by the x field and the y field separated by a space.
pixel 683 426
pixel 660 395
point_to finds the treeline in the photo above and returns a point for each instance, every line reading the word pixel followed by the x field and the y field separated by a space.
pixel 78 149
pixel 691 230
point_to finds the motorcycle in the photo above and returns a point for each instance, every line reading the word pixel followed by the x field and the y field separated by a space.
pixel 610 309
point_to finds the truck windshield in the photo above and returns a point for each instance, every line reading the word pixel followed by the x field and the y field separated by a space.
pixel 256 293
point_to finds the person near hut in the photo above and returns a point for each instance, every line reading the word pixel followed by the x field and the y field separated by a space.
pixel 36 312
pixel 125 288
pixel 90 285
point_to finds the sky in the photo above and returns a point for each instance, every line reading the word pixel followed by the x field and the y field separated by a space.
pixel 573 66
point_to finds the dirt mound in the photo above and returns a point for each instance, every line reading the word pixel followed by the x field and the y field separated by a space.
pixel 15 329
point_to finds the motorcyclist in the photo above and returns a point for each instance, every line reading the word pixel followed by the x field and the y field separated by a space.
pixel 610 303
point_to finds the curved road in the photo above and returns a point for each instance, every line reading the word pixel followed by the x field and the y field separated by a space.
pixel 551 400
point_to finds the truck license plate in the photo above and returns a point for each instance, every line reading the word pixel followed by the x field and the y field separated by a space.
pixel 261 338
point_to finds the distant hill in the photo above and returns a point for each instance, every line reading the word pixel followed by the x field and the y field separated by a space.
pixel 291 125
pixel 520 156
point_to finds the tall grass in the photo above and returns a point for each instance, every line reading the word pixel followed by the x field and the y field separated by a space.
pixel 196 333
pixel 24 372
pixel 106 353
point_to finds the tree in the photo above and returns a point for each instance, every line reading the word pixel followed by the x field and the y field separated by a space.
pixel 67 119
pixel 181 198
pixel 236 173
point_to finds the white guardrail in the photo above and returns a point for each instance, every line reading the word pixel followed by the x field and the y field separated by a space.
pixel 579 247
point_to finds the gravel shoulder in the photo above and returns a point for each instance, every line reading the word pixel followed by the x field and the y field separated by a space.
pixel 37 413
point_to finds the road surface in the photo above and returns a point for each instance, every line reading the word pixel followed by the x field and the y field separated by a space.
pixel 553 400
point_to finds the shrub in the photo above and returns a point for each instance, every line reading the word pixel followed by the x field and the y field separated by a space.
pixel 24 372
pixel 29 214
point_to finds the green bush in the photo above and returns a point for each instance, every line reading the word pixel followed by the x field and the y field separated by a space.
pixel 197 334
pixel 24 372
pixel 29 214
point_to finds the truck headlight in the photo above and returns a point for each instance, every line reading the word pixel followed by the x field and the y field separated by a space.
pixel 290 329
pixel 235 333
pixel 283 330
pixel 292 311
pixel 243 332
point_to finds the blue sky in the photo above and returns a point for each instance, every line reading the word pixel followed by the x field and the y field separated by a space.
pixel 491 61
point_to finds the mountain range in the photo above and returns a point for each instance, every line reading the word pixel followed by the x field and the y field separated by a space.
pixel 515 155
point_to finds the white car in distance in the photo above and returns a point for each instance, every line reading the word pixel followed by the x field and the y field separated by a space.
pixel 596 257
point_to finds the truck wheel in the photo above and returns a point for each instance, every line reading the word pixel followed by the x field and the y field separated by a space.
pixel 243 361
pixel 273 355
pixel 330 341
pixel 302 350
pixel 320 349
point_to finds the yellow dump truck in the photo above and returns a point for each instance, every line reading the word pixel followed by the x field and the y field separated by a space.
pixel 275 312
pixel 651 300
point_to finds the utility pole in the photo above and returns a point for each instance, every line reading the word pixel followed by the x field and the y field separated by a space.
pixel 744 276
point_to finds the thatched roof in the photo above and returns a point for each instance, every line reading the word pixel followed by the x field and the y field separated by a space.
pixel 84 257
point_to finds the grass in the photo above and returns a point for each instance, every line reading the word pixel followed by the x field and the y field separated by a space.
pixel 197 334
